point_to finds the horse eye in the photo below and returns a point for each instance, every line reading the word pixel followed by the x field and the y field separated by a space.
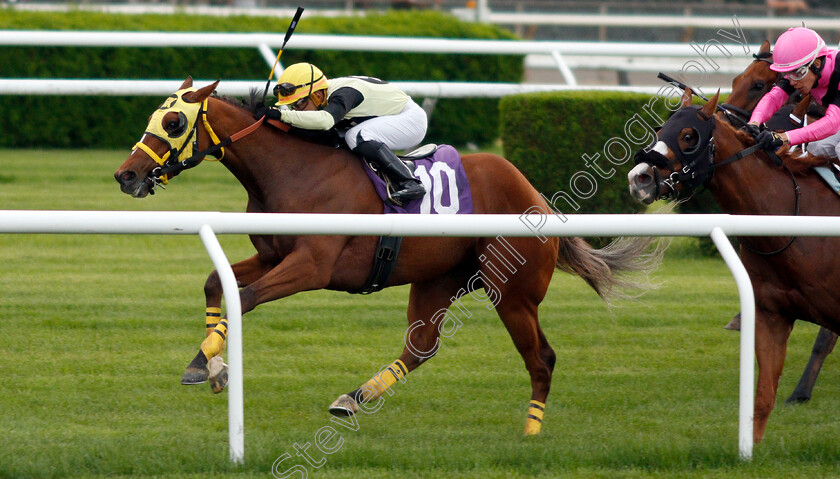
pixel 176 127
pixel 758 85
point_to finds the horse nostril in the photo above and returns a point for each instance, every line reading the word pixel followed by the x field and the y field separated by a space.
pixel 644 179
pixel 125 177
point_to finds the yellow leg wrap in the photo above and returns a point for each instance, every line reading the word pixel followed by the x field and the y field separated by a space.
pixel 211 318
pixel 383 381
pixel 215 342
pixel 533 424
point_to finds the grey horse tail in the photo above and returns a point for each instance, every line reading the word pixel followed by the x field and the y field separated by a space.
pixel 606 270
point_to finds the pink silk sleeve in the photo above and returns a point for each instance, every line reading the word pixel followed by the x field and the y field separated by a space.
pixel 768 105
pixel 822 128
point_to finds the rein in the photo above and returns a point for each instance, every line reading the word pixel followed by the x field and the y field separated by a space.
pixel 731 159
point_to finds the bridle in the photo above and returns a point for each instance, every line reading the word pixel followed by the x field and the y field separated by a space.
pixel 699 161
pixel 181 141
pixel 172 167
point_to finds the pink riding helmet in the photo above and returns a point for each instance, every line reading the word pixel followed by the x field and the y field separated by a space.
pixel 796 47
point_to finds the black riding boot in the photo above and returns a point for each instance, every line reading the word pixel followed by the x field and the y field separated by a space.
pixel 408 187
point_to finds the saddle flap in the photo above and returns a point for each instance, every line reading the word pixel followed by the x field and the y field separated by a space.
pixel 420 152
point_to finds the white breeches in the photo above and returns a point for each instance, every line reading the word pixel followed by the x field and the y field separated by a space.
pixel 402 131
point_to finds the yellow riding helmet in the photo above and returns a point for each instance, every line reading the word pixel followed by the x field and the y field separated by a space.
pixel 299 81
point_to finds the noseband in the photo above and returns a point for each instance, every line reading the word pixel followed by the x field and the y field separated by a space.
pixel 698 161
pixel 702 157
pixel 183 142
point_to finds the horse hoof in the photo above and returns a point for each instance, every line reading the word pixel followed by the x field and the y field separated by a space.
pixel 794 400
pixel 735 324
pixel 532 428
pixel 218 374
pixel 344 406
pixel 194 375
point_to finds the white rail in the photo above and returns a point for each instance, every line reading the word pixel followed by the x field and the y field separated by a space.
pixel 240 88
pixel 626 56
pixel 657 21
pixel 206 223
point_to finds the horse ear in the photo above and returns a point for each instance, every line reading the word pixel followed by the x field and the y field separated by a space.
pixel 710 106
pixel 801 108
pixel 685 99
pixel 202 93
pixel 187 83
pixel 765 47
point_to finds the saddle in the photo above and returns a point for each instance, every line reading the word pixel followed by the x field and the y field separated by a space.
pixel 388 249
pixel 408 159
pixel 831 175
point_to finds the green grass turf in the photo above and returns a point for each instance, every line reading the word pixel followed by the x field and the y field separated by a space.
pixel 96 331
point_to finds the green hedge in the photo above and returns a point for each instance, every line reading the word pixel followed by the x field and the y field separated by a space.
pixel 553 138
pixel 118 121
pixel 546 135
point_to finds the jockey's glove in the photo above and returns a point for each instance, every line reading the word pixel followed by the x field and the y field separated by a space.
pixel 268 112
pixel 769 140
pixel 752 129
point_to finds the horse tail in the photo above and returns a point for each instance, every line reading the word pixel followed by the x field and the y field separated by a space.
pixel 606 269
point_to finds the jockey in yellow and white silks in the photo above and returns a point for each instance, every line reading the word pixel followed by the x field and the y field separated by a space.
pixel 374 117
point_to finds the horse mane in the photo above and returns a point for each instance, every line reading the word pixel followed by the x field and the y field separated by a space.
pixel 797 162
pixel 250 104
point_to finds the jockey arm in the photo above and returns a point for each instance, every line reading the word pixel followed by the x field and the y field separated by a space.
pixel 776 97
pixel 339 104
pixel 822 128
pixel 771 102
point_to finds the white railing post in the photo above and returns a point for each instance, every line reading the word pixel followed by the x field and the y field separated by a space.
pixel 745 290
pixel 564 68
pixel 236 420
pixel 206 224
pixel 270 57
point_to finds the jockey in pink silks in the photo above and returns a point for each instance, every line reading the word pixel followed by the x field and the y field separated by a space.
pixel 807 66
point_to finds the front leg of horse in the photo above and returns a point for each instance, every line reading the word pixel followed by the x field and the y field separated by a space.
pixel 772 331
pixel 208 364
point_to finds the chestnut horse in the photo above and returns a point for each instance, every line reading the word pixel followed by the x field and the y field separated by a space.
pixel 747 89
pixel 750 85
pixel 796 283
pixel 283 173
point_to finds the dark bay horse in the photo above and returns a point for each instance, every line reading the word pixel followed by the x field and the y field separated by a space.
pixel 747 89
pixel 799 282
pixel 283 173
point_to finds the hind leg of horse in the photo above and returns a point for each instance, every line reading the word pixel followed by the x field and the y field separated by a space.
pixel 520 319
pixel 197 371
pixel 823 346
pixel 772 331
pixel 427 318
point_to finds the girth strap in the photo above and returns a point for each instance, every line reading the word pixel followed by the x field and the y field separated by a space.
pixel 384 262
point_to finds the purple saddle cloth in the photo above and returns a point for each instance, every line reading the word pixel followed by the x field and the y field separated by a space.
pixel 447 187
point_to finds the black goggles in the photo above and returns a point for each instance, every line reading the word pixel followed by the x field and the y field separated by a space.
pixel 288 89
